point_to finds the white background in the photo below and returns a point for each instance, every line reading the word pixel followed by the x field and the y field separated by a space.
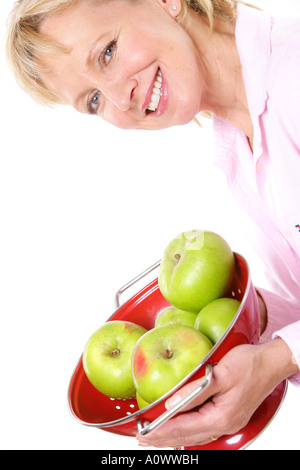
pixel 84 208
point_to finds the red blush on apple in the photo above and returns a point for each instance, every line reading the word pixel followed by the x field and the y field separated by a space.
pixel 141 363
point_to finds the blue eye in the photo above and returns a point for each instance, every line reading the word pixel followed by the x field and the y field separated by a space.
pixel 108 52
pixel 93 103
pixel 95 100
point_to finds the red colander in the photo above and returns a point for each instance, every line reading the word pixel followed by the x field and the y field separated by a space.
pixel 123 417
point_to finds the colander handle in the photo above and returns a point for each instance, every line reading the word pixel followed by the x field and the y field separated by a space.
pixel 146 427
pixel 134 281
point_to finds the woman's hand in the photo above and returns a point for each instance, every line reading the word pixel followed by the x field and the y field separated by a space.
pixel 241 381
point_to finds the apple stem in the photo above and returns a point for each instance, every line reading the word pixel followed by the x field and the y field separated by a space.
pixel 168 354
pixel 115 352
pixel 177 256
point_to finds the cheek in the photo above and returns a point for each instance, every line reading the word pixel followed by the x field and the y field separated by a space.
pixel 118 118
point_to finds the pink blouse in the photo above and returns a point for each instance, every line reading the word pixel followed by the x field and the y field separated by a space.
pixel 267 181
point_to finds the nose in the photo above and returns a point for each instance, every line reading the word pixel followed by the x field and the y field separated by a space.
pixel 123 104
pixel 121 94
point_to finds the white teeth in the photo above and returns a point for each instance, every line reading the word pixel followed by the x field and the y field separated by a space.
pixel 156 92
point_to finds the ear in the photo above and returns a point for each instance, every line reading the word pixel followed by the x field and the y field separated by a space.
pixel 173 7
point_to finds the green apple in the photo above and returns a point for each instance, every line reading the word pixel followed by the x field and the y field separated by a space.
pixel 214 319
pixel 164 356
pixel 107 358
pixel 141 403
pixel 174 315
pixel 197 267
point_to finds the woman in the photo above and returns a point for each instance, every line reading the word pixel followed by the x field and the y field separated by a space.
pixel 151 64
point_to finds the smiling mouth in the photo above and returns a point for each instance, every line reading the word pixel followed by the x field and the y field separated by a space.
pixel 156 93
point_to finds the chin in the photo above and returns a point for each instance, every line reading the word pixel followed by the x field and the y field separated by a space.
pixel 185 115
pixel 185 120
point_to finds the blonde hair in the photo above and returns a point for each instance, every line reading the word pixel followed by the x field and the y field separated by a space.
pixel 24 42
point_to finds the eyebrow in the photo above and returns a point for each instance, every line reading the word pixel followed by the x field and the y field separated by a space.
pixel 80 103
pixel 92 48
pixel 81 97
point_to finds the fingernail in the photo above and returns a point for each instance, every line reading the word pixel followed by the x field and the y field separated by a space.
pixel 142 444
pixel 172 402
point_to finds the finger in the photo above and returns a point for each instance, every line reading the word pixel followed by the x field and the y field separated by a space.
pixel 192 428
pixel 201 398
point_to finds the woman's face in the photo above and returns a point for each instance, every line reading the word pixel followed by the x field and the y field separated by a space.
pixel 130 62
